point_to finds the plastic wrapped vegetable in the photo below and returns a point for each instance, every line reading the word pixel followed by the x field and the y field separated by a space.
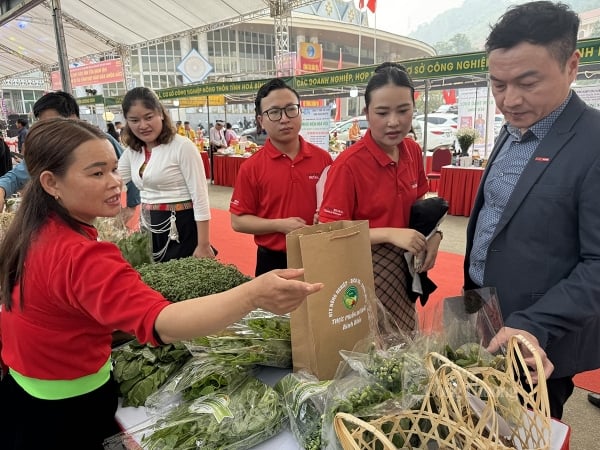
pixel 259 338
pixel 198 377
pixel 141 369
pixel 245 417
pixel 304 398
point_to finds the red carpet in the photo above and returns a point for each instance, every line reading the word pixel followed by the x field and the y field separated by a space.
pixel 590 381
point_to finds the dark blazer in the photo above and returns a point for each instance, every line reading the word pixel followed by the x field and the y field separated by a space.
pixel 544 257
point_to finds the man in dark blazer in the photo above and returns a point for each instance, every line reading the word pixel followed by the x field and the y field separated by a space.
pixel 534 232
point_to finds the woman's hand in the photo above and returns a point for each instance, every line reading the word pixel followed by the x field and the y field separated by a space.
pixel 278 292
pixel 203 251
pixel 408 239
pixel 433 244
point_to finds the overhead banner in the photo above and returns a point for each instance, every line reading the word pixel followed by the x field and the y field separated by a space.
pixel 109 71
pixel 419 69
pixel 194 102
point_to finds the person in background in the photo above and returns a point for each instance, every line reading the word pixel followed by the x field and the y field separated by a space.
pixel 216 136
pixel 23 128
pixel 118 126
pixel 275 190
pixel 350 193
pixel 544 169
pixel 112 130
pixel 230 135
pixel 179 128
pixel 59 104
pixel 5 158
pixel 168 171
pixel 353 132
pixel 188 132
pixel 75 290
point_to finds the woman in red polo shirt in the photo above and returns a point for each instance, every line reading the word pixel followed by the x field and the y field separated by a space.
pixel 168 171
pixel 63 292
pixel 378 179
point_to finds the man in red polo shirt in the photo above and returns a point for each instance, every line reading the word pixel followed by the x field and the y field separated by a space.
pixel 275 190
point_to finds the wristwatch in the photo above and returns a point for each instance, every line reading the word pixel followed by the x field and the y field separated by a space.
pixel 441 233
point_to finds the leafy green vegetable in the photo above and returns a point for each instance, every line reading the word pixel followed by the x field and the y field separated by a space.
pixel 258 338
pixel 304 398
pixel 180 279
pixel 136 248
pixel 474 355
pixel 140 369
pixel 200 376
pixel 247 416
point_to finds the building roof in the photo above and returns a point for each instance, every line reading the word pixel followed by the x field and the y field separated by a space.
pixel 27 37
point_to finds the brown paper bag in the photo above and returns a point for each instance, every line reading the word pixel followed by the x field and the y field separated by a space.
pixel 337 254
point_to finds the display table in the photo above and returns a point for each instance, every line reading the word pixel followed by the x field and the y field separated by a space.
pixel 458 185
pixel 130 417
pixel 225 169
pixel 206 163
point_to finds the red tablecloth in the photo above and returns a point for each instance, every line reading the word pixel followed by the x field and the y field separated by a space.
pixel 459 186
pixel 225 169
pixel 206 163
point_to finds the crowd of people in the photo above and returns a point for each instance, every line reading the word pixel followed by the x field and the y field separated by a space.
pixel 533 233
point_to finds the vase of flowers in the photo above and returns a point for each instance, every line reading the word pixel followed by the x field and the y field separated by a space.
pixel 466 137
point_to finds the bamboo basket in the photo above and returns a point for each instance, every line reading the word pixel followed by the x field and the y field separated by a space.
pixel 453 416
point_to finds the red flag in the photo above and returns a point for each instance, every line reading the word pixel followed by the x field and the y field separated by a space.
pixel 361 4
pixel 338 101
pixel 371 4
pixel 449 96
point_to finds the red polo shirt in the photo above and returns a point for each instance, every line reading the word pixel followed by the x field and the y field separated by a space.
pixel 270 185
pixel 363 183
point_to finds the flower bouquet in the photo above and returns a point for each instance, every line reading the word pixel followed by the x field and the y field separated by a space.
pixel 466 137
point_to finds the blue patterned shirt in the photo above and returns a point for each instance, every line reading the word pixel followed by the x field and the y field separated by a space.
pixel 503 175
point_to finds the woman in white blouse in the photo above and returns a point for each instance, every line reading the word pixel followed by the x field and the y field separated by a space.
pixel 169 173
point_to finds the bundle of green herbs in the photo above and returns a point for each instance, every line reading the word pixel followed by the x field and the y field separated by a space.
pixel 141 369
pixel 200 376
pixel 304 398
pixel 245 417
pixel 259 338
pixel 180 279
pixel 136 248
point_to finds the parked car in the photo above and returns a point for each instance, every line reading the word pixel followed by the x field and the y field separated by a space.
pixel 341 130
pixel 251 135
pixel 442 119
pixel 437 134
pixel 448 109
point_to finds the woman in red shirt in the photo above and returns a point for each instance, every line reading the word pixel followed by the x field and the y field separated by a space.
pixel 63 293
pixel 378 179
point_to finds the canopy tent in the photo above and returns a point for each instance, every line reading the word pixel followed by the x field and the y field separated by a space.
pixel 27 28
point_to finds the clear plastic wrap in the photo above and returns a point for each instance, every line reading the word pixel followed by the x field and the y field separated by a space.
pixel 259 338
pixel 198 377
pixel 304 398
pixel 245 417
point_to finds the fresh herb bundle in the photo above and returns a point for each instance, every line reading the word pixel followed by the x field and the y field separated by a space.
pixel 245 417
pixel 180 279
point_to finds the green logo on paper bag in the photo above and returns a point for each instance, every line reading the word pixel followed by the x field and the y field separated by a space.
pixel 350 297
